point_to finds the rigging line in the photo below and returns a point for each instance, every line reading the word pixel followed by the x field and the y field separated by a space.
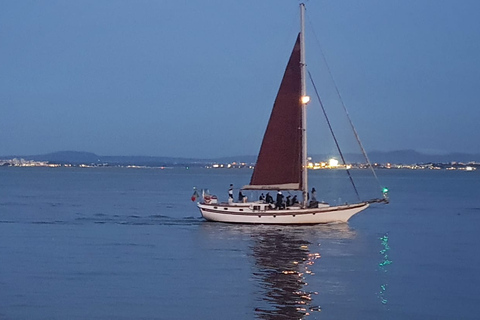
pixel 333 135
pixel 344 107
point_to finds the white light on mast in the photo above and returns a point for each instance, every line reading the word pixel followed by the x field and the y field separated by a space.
pixel 305 99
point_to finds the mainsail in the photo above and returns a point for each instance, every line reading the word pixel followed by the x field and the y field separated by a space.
pixel 279 163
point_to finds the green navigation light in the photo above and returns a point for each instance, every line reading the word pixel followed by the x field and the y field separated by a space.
pixel 385 190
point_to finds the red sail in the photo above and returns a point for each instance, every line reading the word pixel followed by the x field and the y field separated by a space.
pixel 279 163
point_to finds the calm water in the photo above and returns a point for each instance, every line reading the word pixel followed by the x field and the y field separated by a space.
pixel 105 243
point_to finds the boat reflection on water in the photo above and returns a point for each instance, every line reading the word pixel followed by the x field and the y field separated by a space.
pixel 283 261
pixel 284 265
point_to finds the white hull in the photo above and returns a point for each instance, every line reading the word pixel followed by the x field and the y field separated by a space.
pixel 250 213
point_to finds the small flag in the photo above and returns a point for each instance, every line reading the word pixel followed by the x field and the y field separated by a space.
pixel 195 194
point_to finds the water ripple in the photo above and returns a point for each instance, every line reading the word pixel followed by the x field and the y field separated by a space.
pixel 102 218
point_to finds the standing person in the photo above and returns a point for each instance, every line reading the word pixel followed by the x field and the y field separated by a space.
pixel 262 198
pixel 314 195
pixel 230 194
pixel 279 203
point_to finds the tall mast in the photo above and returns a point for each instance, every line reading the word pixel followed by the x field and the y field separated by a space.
pixel 304 101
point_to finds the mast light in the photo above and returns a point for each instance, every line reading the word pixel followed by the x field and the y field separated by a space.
pixel 305 99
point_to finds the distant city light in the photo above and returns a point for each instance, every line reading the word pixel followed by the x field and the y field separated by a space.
pixel 333 162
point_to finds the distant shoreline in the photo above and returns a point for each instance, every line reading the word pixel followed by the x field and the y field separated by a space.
pixel 16 162
pixel 402 159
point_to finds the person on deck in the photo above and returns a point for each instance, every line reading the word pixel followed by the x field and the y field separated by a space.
pixel 241 197
pixel 314 195
pixel 261 198
pixel 230 194
pixel 279 204
pixel 313 202
pixel 269 198
pixel 294 200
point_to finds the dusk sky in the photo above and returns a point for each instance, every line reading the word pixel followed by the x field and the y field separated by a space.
pixel 198 78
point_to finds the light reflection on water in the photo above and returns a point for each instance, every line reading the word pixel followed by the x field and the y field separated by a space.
pixel 284 262
pixel 383 265
pixel 283 265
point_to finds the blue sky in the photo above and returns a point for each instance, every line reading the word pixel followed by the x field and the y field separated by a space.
pixel 198 79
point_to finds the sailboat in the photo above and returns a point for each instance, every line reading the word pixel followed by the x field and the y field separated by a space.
pixel 282 161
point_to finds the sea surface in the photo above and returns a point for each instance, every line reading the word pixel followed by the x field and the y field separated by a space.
pixel 123 243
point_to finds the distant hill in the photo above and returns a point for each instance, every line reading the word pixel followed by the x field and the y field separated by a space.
pixel 65 157
pixel 399 157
